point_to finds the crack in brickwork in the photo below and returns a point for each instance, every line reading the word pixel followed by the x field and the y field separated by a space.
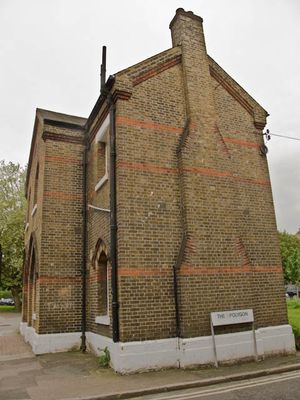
pixel 222 141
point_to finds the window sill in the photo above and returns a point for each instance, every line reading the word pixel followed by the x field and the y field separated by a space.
pixel 103 320
pixel 34 210
pixel 101 182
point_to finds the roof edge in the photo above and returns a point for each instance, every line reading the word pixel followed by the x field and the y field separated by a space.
pixel 236 85
pixel 43 116
pixel 149 59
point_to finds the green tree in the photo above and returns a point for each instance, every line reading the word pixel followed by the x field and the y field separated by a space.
pixel 290 255
pixel 12 219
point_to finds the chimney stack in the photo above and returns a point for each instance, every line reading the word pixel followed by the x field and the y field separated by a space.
pixel 187 32
pixel 178 25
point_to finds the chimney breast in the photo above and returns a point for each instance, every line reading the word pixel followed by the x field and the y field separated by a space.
pixel 187 32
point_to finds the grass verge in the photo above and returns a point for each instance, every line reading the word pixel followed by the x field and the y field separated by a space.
pixel 294 318
pixel 8 309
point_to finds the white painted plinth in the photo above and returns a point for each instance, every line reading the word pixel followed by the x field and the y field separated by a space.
pixel 230 347
pixel 136 356
pixel 23 326
pixel 174 352
pixel 277 339
pixel 155 354
pixel 50 343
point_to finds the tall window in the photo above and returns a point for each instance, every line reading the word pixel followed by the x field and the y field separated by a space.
pixel 28 205
pixel 103 301
pixel 101 159
pixel 36 184
pixel 102 143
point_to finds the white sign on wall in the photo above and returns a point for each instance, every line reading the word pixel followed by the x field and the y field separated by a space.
pixel 220 318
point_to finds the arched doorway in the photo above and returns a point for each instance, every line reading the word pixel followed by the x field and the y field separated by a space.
pixel 31 292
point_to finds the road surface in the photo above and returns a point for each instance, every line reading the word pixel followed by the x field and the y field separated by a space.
pixel 284 386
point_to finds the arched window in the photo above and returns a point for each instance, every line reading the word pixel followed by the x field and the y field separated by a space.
pixel 32 289
pixel 101 265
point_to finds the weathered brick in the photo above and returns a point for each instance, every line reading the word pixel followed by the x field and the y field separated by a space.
pixel 189 166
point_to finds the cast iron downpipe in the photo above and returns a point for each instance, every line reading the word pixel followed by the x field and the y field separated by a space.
pixel 84 245
pixel 113 221
pixel 105 88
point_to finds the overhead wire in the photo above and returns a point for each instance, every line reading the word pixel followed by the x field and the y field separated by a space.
pixel 285 137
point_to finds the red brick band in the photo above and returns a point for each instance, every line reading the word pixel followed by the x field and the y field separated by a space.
pixel 191 270
pixel 152 168
pixel 187 270
pixel 259 125
pixel 127 271
pixel 222 141
pixel 156 70
pixel 96 279
pixel 121 120
pixel 119 94
pixel 59 137
pixel 241 142
pixel 251 181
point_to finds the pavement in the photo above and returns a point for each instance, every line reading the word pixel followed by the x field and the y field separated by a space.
pixel 73 375
pixel 12 345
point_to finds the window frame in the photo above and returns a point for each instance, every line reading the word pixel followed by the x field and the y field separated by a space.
pixel 102 136
pixel 36 186
pixel 103 319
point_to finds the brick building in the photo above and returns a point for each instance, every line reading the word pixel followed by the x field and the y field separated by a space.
pixel 152 213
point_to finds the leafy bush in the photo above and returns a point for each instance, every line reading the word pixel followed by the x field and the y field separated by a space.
pixel 290 255
pixel 5 294
pixel 12 219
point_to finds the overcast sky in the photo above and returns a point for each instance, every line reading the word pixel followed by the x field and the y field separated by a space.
pixel 50 54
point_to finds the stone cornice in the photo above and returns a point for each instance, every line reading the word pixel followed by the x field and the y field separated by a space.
pixel 63 124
